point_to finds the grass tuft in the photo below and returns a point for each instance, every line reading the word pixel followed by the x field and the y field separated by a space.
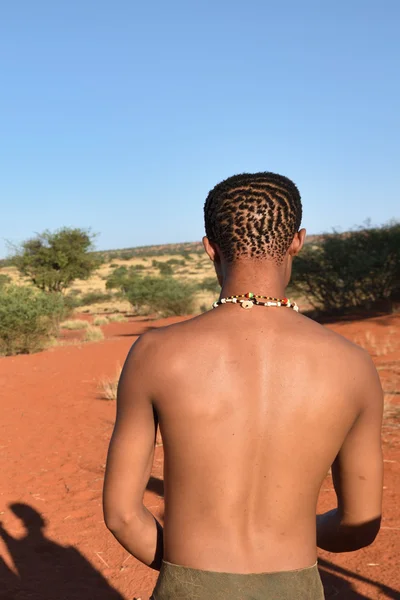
pixel 108 386
pixel 100 321
pixel 93 334
pixel 116 318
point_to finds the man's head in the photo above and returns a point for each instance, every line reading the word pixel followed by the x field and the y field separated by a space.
pixel 253 216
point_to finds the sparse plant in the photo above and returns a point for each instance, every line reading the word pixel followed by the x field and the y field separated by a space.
pixel 93 334
pixel 117 318
pixel 108 386
pixel 75 324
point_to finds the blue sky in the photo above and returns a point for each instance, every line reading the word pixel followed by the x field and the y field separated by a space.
pixel 122 115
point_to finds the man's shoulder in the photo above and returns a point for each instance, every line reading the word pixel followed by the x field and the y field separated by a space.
pixel 160 342
pixel 320 337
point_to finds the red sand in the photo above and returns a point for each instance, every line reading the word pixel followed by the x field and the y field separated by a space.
pixel 54 436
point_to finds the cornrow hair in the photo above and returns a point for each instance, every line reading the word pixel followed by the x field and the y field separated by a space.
pixel 253 215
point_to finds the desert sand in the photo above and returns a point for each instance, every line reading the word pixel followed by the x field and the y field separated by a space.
pixel 54 434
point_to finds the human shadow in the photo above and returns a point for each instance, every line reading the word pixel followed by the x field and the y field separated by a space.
pixel 156 486
pixel 137 332
pixel 326 318
pixel 46 570
pixel 335 580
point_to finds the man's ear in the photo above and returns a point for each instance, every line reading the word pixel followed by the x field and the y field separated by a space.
pixel 210 249
pixel 298 242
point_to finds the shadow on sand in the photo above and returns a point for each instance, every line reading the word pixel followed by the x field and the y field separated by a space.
pixel 46 570
pixel 337 586
pixel 156 486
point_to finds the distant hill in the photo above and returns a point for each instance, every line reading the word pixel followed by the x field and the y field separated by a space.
pixel 156 250
pixel 161 249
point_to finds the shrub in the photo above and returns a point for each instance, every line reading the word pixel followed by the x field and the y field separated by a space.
pixel 210 284
pixel 100 321
pixel 176 262
pixel 165 295
pixel 93 334
pixel 353 270
pixel 52 261
pixel 139 267
pixel 118 278
pixel 94 298
pixel 116 318
pixel 28 319
pixel 164 267
pixel 4 279
pixel 75 324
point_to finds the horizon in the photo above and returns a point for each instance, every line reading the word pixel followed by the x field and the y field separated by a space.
pixel 121 119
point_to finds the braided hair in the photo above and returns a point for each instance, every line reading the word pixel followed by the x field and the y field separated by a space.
pixel 253 216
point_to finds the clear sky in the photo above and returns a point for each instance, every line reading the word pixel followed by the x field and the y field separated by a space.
pixel 121 115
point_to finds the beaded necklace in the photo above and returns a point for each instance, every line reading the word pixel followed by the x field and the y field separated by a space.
pixel 248 300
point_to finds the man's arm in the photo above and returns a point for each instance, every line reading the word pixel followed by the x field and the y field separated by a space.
pixel 129 462
pixel 357 475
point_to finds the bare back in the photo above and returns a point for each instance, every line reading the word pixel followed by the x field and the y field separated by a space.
pixel 253 408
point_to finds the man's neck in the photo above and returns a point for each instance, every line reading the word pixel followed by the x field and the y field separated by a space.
pixel 264 278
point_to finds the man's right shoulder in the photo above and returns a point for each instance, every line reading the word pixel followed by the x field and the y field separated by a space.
pixel 335 347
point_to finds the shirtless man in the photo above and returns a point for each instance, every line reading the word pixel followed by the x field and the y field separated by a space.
pixel 254 403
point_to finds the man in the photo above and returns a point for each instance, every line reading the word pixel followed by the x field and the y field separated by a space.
pixel 255 402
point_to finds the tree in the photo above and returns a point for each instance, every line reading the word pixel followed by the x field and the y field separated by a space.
pixel 52 261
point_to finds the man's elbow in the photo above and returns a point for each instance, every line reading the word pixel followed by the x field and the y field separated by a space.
pixel 355 537
pixel 117 521
pixel 367 533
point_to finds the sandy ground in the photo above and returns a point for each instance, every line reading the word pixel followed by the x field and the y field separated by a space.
pixel 54 433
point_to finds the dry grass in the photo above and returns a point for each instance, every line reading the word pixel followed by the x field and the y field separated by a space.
pixel 100 321
pixel 75 324
pixel 116 318
pixel 108 386
pixel 93 334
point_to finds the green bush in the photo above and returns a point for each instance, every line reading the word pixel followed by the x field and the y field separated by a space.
pixel 118 278
pixel 165 295
pixel 94 298
pixel 210 284
pixel 358 269
pixel 164 268
pixel 28 319
pixel 176 262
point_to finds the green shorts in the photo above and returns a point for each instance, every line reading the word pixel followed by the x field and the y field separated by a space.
pixel 184 583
